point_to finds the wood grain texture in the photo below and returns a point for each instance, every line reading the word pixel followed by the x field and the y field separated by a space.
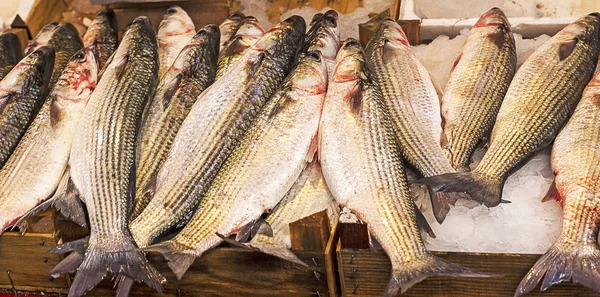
pixel 310 233
pixel 44 12
pixel 26 257
pixel 366 273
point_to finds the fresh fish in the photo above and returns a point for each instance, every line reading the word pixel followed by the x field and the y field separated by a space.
pixel 214 126
pixel 102 165
pixel 259 172
pixel 539 101
pixel 228 28
pixel 364 171
pixel 10 52
pixel 174 32
pixel 22 92
pixel 414 106
pixel 64 39
pixel 308 195
pixel 33 171
pixel 101 36
pixel 575 255
pixel 324 36
pixel 248 34
pixel 192 72
pixel 478 82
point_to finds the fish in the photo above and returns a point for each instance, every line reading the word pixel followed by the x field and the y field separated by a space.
pixel 308 195
pixel 413 101
pixel 229 26
pixel 102 166
pixel 538 102
pixel 363 168
pixel 33 172
pixel 174 32
pixel 213 128
pixel 247 34
pixel 478 82
pixel 192 72
pixel 575 255
pixel 101 36
pixel 259 172
pixel 22 93
pixel 10 52
pixel 64 39
pixel 324 36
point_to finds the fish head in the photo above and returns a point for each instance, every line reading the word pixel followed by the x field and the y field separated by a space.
pixel 79 78
pixel 101 27
pixel 139 40
pixel 350 62
pixel 326 38
pixel 316 18
pixel 209 34
pixel 11 41
pixel 230 23
pixel 175 22
pixel 492 18
pixel 42 38
pixel 583 33
pixel 284 35
pixel 310 74
pixel 250 27
pixel 391 34
pixel 41 59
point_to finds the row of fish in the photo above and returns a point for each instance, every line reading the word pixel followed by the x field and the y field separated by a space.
pixel 205 132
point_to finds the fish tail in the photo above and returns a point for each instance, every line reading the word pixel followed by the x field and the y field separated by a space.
pixel 407 275
pixel 564 262
pixel 125 261
pixel 179 261
pixel 483 190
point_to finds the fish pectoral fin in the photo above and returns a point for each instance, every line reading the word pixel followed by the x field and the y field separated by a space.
pixel 77 246
pixel 258 226
pixel 553 194
pixel 566 48
pixel 422 222
pixel 311 155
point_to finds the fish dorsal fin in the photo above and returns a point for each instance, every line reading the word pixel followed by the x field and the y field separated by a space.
pixel 566 48
pixel 354 97
pixel 57 112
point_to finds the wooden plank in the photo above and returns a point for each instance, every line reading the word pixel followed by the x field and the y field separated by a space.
pixel 27 260
pixel 310 233
pixel 331 268
pixel 44 12
pixel 202 13
pixel 354 235
pixel 366 30
pixel 366 273
pixel 412 30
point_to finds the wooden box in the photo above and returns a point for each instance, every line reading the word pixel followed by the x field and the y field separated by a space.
pixel 365 272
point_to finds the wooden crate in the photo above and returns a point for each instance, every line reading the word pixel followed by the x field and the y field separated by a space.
pixel 25 262
pixel 224 271
pixel 365 272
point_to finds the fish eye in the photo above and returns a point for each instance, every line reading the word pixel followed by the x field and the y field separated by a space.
pixel 331 21
pixel 315 55
pixel 171 10
pixel 80 57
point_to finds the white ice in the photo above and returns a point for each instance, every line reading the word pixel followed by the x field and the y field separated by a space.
pixel 524 226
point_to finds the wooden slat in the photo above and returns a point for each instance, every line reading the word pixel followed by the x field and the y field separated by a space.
pixel 366 273
pixel 44 12
pixel 310 233
pixel 27 260
pixel 333 283
pixel 354 235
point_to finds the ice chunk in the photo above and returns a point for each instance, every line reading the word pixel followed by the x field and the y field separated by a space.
pixel 439 55
pixel 526 47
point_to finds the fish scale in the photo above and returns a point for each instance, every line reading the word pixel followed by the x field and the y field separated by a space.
pixel 477 85
pixel 575 254
pixel 539 101
pixel 10 52
pixel 214 126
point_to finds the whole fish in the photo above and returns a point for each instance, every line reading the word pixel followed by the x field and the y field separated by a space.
pixel 248 34
pixel 33 171
pixel 102 165
pixel 414 106
pixel 539 101
pixel 101 36
pixel 22 92
pixel 575 255
pixel 192 72
pixel 228 28
pixel 324 36
pixel 478 82
pixel 308 195
pixel 259 172
pixel 10 52
pixel 64 39
pixel 174 32
pixel 364 171
pixel 214 126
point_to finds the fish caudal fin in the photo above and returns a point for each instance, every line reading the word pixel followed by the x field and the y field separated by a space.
pixel 179 262
pixel 564 262
pixel 99 260
pixel 407 275
pixel 485 191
